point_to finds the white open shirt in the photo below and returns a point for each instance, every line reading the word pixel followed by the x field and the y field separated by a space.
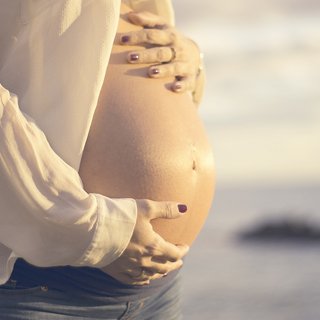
pixel 53 59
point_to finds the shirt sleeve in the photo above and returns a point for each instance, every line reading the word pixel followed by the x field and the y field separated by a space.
pixel 46 216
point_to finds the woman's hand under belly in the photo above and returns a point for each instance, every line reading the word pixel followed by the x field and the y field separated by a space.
pixel 147 142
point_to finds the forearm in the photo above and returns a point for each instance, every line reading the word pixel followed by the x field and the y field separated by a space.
pixel 46 215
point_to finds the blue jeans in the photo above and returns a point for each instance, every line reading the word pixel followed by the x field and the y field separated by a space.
pixel 42 303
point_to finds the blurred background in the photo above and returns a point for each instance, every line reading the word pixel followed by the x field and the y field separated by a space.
pixel 258 256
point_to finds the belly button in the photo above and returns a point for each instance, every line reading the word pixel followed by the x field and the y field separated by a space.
pixel 194 165
pixel 194 156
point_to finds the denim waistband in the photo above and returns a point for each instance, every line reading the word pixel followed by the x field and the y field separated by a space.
pixel 84 281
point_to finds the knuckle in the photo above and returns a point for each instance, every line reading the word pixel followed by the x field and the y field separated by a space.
pixel 162 55
pixel 173 36
pixel 134 38
pixel 136 256
pixel 153 249
pixel 140 255
pixel 151 35
pixel 136 251
pixel 168 210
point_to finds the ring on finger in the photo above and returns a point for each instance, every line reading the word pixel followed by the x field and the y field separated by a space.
pixel 173 54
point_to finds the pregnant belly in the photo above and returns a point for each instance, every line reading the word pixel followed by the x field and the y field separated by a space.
pixel 147 142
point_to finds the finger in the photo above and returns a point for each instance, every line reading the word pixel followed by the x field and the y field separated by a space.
pixel 163 268
pixel 152 272
pixel 142 277
pixel 139 283
pixel 167 251
pixel 148 36
pixel 146 19
pixel 127 277
pixel 184 84
pixel 159 275
pixel 149 273
pixel 134 280
pixel 167 210
pixel 153 55
pixel 174 253
pixel 176 68
pixel 184 249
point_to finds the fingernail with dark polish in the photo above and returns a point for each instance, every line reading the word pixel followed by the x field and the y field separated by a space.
pixel 182 208
pixel 177 86
pixel 155 71
pixel 134 57
pixel 125 39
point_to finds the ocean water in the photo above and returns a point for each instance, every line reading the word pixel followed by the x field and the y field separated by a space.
pixel 262 113
pixel 262 99
pixel 229 279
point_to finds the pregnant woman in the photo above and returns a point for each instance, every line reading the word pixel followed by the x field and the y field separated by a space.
pixel 159 146
pixel 145 142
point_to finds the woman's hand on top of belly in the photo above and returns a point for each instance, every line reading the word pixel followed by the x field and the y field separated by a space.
pixel 148 256
pixel 171 54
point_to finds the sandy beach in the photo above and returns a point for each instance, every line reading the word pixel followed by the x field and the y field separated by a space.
pixel 227 279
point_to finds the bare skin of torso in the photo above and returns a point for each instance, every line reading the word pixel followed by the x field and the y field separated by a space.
pixel 146 142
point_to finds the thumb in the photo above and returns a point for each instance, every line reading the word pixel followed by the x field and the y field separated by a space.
pixel 169 210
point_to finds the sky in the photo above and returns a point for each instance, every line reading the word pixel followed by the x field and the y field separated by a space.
pixel 262 101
